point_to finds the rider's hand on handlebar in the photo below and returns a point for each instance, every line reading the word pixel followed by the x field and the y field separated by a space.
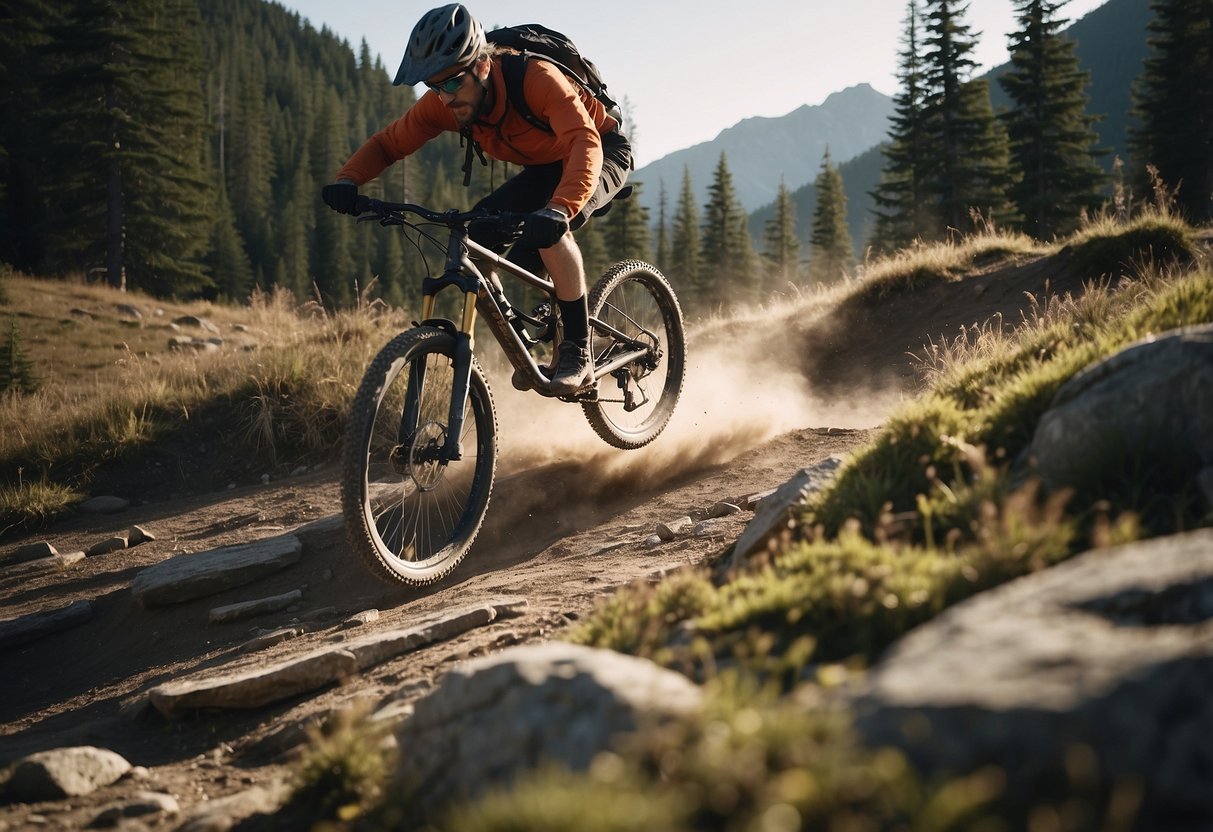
pixel 340 196
pixel 545 227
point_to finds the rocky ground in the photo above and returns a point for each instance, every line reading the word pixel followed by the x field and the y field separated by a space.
pixel 570 521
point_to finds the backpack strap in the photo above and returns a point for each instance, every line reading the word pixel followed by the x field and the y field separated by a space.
pixel 473 146
pixel 513 69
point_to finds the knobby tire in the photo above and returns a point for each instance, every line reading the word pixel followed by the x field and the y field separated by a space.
pixel 635 298
pixel 409 517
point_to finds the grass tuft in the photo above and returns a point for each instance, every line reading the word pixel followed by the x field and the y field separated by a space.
pixel 922 265
pixel 34 505
pixel 342 772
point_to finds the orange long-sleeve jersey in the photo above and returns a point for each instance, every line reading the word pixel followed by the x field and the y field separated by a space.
pixel 577 119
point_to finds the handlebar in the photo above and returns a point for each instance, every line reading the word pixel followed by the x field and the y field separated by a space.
pixel 388 210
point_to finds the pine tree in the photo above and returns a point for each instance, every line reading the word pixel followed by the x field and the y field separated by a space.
pixel 23 37
pixel 626 229
pixel 902 212
pixel 17 372
pixel 831 253
pixel 663 229
pixel 333 265
pixel 967 163
pixel 686 265
pixel 1051 136
pixel 127 144
pixel 250 162
pixel 1173 101
pixel 781 243
pixel 229 265
pixel 728 255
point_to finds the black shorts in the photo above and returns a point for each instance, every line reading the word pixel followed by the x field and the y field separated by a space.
pixel 532 189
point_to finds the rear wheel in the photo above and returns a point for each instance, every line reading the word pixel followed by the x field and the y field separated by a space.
pixel 635 308
pixel 410 516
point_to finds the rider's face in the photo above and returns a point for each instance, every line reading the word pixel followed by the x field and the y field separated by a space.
pixel 460 89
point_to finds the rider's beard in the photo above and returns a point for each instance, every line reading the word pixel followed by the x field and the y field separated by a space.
pixel 465 112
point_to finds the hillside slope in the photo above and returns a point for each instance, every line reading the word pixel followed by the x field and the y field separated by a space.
pixel 742 428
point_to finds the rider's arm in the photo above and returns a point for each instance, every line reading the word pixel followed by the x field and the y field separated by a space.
pixel 555 100
pixel 426 119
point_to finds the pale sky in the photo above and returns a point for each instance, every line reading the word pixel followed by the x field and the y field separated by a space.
pixel 690 68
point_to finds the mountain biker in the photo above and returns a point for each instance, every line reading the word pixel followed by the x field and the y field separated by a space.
pixel 567 174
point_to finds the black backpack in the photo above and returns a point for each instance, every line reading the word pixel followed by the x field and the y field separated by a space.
pixel 531 40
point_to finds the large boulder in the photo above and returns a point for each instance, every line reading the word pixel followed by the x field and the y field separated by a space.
pixel 1151 402
pixel 1097 671
pixel 491 719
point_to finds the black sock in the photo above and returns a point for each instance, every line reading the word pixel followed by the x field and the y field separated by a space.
pixel 575 315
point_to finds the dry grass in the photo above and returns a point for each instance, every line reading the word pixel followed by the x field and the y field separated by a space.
pixel 280 384
pixel 922 264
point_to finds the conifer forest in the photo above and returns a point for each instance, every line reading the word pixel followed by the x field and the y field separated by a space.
pixel 178 147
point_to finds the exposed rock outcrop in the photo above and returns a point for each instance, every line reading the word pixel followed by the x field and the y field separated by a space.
pixel 491 719
pixel 1106 659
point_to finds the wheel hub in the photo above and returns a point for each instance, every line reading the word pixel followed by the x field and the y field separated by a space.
pixel 421 459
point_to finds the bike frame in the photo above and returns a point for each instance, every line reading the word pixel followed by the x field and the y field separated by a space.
pixel 467 267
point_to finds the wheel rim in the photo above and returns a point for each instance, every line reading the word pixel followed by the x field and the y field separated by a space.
pixel 634 399
pixel 417 506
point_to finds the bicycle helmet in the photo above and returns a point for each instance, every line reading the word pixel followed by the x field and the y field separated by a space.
pixel 444 37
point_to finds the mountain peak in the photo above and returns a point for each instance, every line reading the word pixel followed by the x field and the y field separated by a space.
pixel 764 150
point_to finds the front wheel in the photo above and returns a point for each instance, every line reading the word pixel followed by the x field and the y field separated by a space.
pixel 635 311
pixel 410 514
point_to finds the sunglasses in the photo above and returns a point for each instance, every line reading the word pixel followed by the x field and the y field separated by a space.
pixel 451 85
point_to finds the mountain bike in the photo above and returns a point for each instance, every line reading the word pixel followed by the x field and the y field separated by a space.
pixel 420 446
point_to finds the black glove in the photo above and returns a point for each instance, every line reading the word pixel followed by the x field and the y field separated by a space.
pixel 544 228
pixel 340 196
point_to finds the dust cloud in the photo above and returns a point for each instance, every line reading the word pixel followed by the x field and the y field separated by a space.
pixel 745 385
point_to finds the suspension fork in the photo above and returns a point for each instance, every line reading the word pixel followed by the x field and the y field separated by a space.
pixel 460 272
pixel 452 449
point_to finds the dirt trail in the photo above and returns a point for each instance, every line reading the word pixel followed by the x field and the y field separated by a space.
pixel 565 527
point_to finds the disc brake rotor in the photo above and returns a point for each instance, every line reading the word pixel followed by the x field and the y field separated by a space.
pixel 421 460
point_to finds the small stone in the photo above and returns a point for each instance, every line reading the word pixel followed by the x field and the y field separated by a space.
pixel 673 529
pixel 652 541
pixel 361 619
pixel 265 479
pixel 64 772
pixel 270 639
pixel 137 535
pixel 724 510
pixel 319 614
pixel 55 563
pixel 113 544
pixel 28 552
pixel 140 805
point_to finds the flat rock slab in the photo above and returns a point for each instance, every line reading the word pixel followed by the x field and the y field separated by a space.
pixel 247 609
pixel 185 577
pixel 261 686
pixel 774 510
pixel 28 552
pixel 18 631
pixel 54 563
